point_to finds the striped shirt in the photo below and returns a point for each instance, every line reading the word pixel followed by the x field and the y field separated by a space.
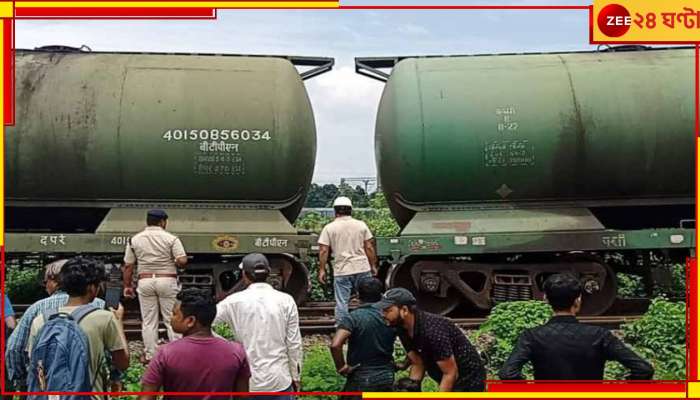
pixel 16 357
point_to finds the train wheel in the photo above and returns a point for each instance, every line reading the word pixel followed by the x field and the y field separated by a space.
pixel 290 276
pixel 596 298
pixel 597 278
pixel 400 276
pixel 286 274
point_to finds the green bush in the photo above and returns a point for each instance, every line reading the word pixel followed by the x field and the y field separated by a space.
pixel 377 200
pixel 629 286
pixel 379 221
pixel 659 336
pixel 320 292
pixel 499 334
pixel 507 320
pixel 676 287
pixel 429 385
pixel 132 377
pixel 662 326
pixel 224 331
pixel 22 284
pixel 315 222
pixel 312 222
pixel 318 373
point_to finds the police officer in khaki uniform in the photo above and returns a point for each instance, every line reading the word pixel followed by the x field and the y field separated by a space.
pixel 158 254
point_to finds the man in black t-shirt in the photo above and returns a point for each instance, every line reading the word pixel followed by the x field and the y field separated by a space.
pixel 434 344
pixel 563 348
pixel 370 363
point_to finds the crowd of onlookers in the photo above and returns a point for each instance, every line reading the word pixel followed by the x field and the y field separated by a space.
pixel 72 341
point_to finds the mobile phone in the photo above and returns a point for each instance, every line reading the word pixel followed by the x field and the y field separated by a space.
pixel 112 296
pixel 114 288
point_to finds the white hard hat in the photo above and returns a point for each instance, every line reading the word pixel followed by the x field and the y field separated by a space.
pixel 342 201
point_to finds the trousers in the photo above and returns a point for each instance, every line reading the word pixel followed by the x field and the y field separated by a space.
pixel 156 294
pixel 281 396
pixel 343 286
pixel 374 379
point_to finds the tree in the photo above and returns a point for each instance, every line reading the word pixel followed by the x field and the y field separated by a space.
pixel 315 198
pixel 321 196
pixel 377 200
pixel 330 192
pixel 358 196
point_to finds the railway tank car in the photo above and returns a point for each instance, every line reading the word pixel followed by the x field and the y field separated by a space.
pixel 224 143
pixel 503 169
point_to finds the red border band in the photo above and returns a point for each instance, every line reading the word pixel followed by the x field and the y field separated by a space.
pixel 116 12
pixel 9 72
pixel 210 13
pixel 692 313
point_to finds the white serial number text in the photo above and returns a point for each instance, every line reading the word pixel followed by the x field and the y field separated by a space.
pixel 216 134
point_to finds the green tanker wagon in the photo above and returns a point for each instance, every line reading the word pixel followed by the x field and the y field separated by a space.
pixel 224 143
pixel 504 169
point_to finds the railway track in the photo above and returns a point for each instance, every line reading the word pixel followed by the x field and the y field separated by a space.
pixel 317 317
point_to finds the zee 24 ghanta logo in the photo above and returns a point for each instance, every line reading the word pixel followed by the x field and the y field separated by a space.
pixel 615 20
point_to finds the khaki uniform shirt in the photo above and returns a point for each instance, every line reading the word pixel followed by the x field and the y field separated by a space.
pixel 346 237
pixel 156 251
pixel 102 331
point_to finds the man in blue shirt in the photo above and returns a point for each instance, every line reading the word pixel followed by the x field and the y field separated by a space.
pixel 370 363
pixel 10 323
pixel 9 315
pixel 16 357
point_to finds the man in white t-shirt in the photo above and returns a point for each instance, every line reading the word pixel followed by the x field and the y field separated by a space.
pixel 354 257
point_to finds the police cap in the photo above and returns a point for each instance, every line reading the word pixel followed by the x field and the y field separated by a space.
pixel 157 213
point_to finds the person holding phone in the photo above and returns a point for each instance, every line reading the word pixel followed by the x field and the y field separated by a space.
pixel 370 363
pixel 16 357
pixel 81 278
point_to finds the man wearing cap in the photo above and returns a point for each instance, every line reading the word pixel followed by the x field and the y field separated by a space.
pixel 158 254
pixel 444 351
pixel 354 257
pixel 266 321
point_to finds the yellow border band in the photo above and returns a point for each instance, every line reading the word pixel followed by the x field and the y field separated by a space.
pixel 693 389
pixel 6 9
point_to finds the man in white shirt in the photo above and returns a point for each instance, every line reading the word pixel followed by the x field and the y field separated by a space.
pixel 266 322
pixel 354 257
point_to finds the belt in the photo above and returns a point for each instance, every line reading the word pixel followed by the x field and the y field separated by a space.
pixel 155 275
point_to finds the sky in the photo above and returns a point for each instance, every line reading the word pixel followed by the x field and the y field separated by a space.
pixel 344 103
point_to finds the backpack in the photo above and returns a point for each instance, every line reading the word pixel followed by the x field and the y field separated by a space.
pixel 60 357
